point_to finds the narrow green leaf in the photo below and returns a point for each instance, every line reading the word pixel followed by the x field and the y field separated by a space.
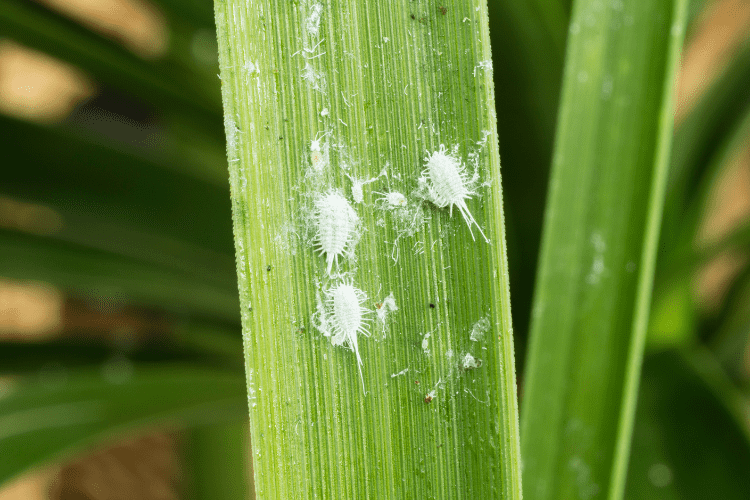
pixel 318 96
pixel 65 411
pixel 599 247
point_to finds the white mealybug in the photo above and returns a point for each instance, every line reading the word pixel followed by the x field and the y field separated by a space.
pixel 448 184
pixel 357 193
pixel 346 318
pixel 394 199
pixel 319 151
pixel 315 143
pixel 357 185
pixel 336 224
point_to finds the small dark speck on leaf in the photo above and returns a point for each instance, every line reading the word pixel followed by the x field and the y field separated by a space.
pixel 416 382
pixel 428 399
pixel 281 138
pixel 268 268
pixel 432 306
pixel 412 16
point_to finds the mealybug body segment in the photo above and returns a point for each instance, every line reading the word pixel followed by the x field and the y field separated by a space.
pixel 347 318
pixel 336 224
pixel 448 184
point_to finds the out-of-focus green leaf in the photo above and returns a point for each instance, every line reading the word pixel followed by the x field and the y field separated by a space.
pixel 219 462
pixel 599 247
pixel 672 322
pixel 116 189
pixel 683 265
pixel 717 122
pixel 687 443
pixel 199 12
pixel 192 342
pixel 528 45
pixel 218 342
pixel 158 83
pixel 729 334
pixel 93 273
pixel 695 7
pixel 62 412
pixel 680 259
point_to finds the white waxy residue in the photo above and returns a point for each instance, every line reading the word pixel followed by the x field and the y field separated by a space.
pixel 479 329
pixel 393 199
pixel 312 24
pixel 470 362
pixel 426 343
pixel 388 305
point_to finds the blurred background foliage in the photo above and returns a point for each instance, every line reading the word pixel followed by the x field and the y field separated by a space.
pixel 121 364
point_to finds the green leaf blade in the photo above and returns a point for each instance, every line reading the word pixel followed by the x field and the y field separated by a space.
pixel 397 80
pixel 601 232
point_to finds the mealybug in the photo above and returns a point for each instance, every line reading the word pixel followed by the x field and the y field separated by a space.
pixel 448 184
pixel 394 199
pixel 347 318
pixel 357 185
pixel 336 224
pixel 315 143
pixel 319 151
